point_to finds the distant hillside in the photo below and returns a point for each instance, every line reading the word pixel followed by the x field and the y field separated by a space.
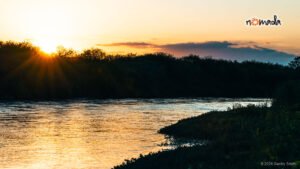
pixel 234 51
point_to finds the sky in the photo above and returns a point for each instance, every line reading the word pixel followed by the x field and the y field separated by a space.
pixel 106 24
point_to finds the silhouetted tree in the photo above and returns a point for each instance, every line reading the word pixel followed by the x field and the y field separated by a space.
pixel 288 95
pixel 295 63
pixel 93 54
pixel 64 52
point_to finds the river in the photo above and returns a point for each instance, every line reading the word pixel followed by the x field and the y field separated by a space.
pixel 92 134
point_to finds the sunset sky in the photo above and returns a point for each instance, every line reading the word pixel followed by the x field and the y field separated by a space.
pixel 113 24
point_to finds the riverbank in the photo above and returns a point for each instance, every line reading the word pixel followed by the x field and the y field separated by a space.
pixel 243 137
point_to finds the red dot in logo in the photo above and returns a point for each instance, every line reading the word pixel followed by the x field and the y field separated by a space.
pixel 254 22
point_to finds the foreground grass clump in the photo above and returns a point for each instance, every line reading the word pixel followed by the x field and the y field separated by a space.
pixel 189 158
pixel 239 138
pixel 218 124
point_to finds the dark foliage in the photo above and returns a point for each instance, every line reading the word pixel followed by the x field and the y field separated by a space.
pixel 205 157
pixel 27 73
pixel 288 96
pixel 295 64
pixel 216 124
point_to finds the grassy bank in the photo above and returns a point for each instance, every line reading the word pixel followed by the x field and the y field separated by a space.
pixel 242 137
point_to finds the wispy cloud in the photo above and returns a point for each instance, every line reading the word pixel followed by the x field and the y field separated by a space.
pixel 239 51
pixel 131 44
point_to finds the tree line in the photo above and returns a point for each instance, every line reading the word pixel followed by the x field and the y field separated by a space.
pixel 28 73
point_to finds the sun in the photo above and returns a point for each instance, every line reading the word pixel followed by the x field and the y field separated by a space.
pixel 47 45
pixel 48 25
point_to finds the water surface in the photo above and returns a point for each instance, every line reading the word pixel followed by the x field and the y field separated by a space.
pixel 92 134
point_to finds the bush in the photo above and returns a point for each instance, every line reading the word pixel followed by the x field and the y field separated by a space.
pixel 288 95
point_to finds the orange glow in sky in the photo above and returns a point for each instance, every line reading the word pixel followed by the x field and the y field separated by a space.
pixel 80 24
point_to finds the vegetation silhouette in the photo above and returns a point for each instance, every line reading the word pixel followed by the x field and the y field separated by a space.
pixel 28 73
pixel 295 64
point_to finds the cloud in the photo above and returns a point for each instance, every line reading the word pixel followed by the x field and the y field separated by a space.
pixel 239 51
pixel 197 46
pixel 130 44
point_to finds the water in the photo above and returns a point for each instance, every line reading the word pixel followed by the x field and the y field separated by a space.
pixel 92 134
